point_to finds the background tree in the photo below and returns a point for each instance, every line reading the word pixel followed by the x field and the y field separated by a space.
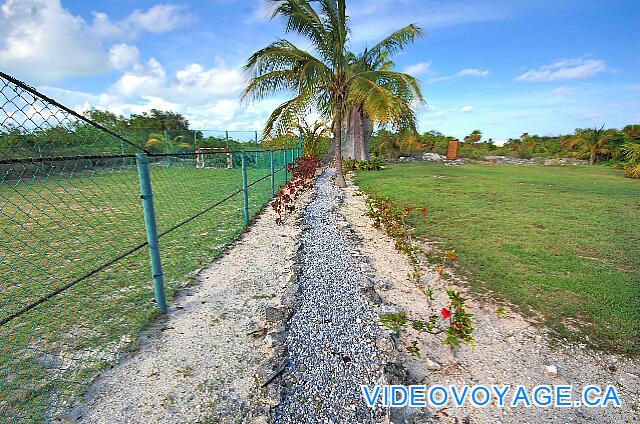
pixel 473 138
pixel 164 143
pixel 592 140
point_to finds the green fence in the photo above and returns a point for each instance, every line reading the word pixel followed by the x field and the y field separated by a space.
pixel 76 284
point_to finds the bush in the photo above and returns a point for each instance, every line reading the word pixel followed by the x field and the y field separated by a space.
pixel 375 164
pixel 303 172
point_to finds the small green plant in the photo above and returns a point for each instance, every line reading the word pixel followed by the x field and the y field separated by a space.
pixel 460 327
pixel 391 219
pixel 413 349
pixel 501 312
pixel 303 172
pixel 394 321
pixel 429 293
pixel 423 326
pixel 167 401
pixel 185 372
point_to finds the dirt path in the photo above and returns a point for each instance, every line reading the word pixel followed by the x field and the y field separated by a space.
pixel 509 350
pixel 200 364
pixel 332 337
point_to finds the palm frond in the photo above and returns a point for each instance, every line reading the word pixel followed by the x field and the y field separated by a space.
pixel 285 116
pixel 397 41
pixel 301 18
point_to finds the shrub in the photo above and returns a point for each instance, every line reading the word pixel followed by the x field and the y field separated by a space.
pixel 631 152
pixel 375 164
pixel 303 172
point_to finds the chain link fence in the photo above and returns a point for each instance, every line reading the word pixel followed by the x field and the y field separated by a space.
pixel 75 275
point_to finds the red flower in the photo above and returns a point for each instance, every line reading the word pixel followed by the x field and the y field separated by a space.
pixel 423 211
pixel 445 313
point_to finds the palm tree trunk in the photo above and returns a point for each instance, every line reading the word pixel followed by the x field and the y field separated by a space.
pixel 592 159
pixel 366 133
pixel 337 139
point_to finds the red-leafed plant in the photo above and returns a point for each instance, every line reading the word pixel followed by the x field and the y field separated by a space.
pixel 303 172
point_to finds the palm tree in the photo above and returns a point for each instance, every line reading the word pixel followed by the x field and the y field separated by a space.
pixel 592 140
pixel 157 142
pixel 473 138
pixel 313 135
pixel 378 58
pixel 324 80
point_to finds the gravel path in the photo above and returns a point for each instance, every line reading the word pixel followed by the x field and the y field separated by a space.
pixel 331 344
pixel 200 364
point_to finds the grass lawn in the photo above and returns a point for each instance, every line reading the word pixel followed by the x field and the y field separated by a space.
pixel 560 243
pixel 55 229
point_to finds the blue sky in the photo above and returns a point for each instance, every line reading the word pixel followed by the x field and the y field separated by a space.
pixel 504 67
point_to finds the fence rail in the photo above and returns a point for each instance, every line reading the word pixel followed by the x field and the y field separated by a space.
pixel 91 222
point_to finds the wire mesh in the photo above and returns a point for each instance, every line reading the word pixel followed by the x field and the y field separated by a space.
pixel 74 268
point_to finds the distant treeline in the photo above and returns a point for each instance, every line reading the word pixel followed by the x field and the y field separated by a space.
pixel 156 131
pixel 618 147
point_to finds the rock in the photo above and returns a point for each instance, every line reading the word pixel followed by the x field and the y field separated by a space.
pixel 416 372
pixel 433 157
pixel 277 314
pixel 382 285
pixel 432 365
pixel 387 308
pixel 385 345
pixel 511 160
pixel 551 370
pixel 275 339
pixel 429 277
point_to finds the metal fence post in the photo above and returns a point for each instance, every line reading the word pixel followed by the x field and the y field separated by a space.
pixel 245 189
pixel 256 139
pixel 284 155
pixel 152 232
pixel 166 146
pixel 273 176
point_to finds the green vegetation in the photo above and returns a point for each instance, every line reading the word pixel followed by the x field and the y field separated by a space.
pixel 374 164
pixel 157 131
pixel 561 243
pixel 56 229
pixel 598 145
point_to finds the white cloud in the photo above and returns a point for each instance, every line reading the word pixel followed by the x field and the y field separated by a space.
pixel 42 42
pixel 261 12
pixel 102 27
pixel 591 116
pixel 208 97
pixel 160 18
pixel 466 109
pixel 562 91
pixel 468 72
pixel 418 68
pixel 123 56
pixel 382 19
pixel 565 69
pixel 192 84
pixel 472 72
